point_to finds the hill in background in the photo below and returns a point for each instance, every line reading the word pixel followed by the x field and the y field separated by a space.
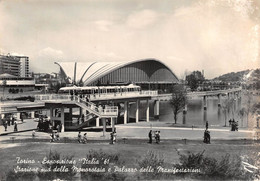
pixel 245 75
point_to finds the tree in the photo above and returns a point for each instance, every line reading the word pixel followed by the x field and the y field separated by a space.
pixel 241 114
pixel 194 79
pixel 178 100
pixel 248 104
pixel 226 108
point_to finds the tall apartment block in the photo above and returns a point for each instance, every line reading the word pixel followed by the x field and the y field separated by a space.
pixel 14 65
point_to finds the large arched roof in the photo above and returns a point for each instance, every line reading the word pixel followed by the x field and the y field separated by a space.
pixel 88 72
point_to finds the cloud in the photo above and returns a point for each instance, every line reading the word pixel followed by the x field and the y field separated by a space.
pixel 142 19
pixel 50 52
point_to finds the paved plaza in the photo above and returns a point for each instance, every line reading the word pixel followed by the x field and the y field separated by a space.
pixel 136 131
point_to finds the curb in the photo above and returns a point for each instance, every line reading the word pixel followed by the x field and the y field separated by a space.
pixel 4 134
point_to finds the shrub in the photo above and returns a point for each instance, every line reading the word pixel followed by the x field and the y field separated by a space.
pixel 56 156
pixel 153 160
pixel 224 168
pixel 101 156
pixel 20 176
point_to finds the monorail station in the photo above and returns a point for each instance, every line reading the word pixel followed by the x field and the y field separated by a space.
pixel 101 93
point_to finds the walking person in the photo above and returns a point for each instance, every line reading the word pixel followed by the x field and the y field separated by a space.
pixel 114 137
pixel 15 126
pixel 156 136
pixel 57 136
pixel 84 138
pixel 79 137
pixel 52 137
pixel 13 120
pixel 5 125
pixel 150 135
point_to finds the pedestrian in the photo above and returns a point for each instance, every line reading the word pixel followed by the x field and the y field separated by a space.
pixel 207 125
pixel 8 122
pixel 84 138
pixel 208 135
pixel 13 120
pixel 52 137
pixel 230 122
pixel 33 134
pixel 57 136
pixel 114 136
pixel 15 126
pixel 5 125
pixel 150 135
pixel 111 138
pixel 58 128
pixel 79 137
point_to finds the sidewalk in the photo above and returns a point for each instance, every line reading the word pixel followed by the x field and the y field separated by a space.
pixel 27 125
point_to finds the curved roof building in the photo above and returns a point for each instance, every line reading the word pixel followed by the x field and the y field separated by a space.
pixel 147 71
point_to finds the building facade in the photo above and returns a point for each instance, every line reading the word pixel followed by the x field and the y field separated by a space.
pixel 14 65
pixel 148 73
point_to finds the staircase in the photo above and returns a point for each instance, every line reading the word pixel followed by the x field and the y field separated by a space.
pixel 90 117
pixel 107 112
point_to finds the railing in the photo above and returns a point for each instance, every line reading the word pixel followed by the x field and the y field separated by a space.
pixel 108 110
pixel 205 93
pixel 52 97
pixel 122 95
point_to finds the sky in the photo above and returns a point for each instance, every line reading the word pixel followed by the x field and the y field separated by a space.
pixel 217 36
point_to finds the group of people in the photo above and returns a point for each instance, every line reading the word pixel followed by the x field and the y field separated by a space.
pixel 10 122
pixel 113 137
pixel 55 136
pixel 156 135
pixel 82 139
pixel 233 124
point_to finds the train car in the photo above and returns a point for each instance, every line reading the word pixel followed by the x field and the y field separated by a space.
pixel 92 90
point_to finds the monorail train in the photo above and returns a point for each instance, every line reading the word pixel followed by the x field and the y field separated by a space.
pixel 99 89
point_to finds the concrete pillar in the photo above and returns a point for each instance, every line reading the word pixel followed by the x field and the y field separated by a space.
pixel 80 111
pixel 62 119
pixel 156 109
pixel 205 102
pixel 51 116
pixel 147 111
pixel 32 115
pixel 126 112
pixel 18 116
pixel 219 114
pixel 137 111
pixel 113 123
pixel 219 100
pixel 97 122
pixel 104 125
